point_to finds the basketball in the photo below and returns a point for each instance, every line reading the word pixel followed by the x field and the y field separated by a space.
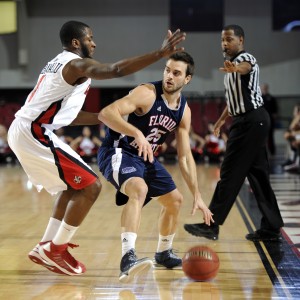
pixel 200 263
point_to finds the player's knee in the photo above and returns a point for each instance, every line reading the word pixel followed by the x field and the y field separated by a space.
pixel 142 193
pixel 95 189
pixel 137 190
pixel 98 186
pixel 139 194
pixel 177 202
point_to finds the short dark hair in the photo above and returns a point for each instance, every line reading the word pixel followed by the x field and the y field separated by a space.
pixel 185 57
pixel 72 30
pixel 238 30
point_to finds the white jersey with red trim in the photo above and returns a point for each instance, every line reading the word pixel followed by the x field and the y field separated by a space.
pixel 53 101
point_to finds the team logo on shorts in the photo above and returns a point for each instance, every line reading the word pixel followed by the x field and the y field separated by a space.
pixel 77 179
pixel 128 170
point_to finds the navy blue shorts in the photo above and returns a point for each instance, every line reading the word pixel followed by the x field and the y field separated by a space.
pixel 117 165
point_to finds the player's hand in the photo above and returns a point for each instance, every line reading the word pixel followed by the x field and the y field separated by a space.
pixel 144 148
pixel 229 67
pixel 217 128
pixel 169 45
pixel 207 214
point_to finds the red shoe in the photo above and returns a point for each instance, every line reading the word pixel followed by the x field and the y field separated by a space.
pixel 34 256
pixel 59 256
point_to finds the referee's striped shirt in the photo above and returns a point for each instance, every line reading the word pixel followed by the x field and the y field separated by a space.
pixel 242 91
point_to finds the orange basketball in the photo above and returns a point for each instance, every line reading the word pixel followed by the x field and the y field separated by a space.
pixel 200 263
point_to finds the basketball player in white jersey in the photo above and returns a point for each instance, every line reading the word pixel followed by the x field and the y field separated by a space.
pixel 56 101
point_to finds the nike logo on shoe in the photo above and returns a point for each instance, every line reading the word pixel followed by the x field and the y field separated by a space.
pixel 57 256
pixel 77 270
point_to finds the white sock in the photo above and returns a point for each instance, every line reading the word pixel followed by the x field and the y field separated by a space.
pixel 51 230
pixel 128 241
pixel 165 242
pixel 64 234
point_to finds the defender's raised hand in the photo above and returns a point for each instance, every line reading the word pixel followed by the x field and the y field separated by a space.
pixel 169 45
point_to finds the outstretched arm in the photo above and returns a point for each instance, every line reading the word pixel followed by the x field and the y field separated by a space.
pixel 86 67
pixel 188 167
pixel 231 67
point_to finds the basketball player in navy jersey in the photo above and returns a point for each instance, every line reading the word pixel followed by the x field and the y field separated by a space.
pixel 55 102
pixel 138 124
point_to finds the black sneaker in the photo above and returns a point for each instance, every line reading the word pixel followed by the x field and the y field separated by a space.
pixel 130 266
pixel 201 229
pixel 264 235
pixel 167 259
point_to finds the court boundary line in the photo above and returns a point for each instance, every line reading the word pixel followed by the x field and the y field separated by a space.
pixel 264 255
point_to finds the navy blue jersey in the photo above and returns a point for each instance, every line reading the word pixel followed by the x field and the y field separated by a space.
pixel 156 124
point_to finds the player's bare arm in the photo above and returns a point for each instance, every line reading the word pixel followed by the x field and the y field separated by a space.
pixel 139 100
pixel 220 122
pixel 185 157
pixel 231 67
pixel 90 68
pixel 85 118
pixel 188 167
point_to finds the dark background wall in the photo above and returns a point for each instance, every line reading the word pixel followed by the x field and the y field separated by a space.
pixel 126 28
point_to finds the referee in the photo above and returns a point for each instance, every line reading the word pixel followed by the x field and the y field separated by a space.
pixel 246 153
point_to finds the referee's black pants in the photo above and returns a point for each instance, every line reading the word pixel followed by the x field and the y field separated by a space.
pixel 246 156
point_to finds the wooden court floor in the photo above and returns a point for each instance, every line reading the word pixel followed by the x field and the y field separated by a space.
pixel 247 270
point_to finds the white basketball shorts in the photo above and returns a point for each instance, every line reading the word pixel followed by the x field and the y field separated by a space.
pixel 48 161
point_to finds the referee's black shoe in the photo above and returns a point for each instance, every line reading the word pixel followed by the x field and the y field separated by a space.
pixel 201 229
pixel 264 235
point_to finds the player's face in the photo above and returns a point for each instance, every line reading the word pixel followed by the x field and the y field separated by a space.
pixel 87 44
pixel 175 76
pixel 231 44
